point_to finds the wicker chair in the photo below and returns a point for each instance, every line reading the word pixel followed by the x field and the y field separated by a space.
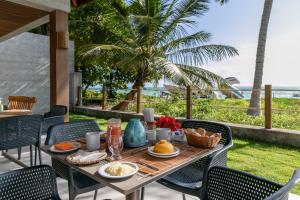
pixel 78 183
pixel 34 183
pixel 189 179
pixel 223 183
pixel 20 131
pixel 21 102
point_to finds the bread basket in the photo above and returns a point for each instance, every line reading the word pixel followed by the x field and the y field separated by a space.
pixel 204 140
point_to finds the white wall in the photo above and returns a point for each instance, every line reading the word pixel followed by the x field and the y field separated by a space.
pixel 24 68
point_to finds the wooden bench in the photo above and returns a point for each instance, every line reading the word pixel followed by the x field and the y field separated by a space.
pixel 21 102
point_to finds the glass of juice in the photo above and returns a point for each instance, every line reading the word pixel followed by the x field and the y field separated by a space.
pixel 113 128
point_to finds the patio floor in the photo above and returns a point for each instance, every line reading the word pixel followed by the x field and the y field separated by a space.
pixel 154 191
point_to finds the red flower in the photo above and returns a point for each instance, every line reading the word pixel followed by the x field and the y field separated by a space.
pixel 168 122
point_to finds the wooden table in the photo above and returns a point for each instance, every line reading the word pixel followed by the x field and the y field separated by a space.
pixel 11 113
pixel 130 186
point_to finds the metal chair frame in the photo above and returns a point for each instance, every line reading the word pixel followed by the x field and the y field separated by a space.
pixel 20 131
pixel 70 131
pixel 223 183
pixel 34 183
pixel 189 179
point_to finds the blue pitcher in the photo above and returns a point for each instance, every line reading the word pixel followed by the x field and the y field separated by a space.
pixel 134 135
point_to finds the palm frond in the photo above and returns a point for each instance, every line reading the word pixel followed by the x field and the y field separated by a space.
pixel 222 1
pixel 201 55
pixel 202 78
pixel 170 71
pixel 182 14
pixel 189 41
pixel 98 49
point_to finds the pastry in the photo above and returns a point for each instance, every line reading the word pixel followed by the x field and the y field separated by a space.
pixel 163 147
pixel 201 131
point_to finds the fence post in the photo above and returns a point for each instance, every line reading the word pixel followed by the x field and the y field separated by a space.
pixel 268 106
pixel 189 103
pixel 104 97
pixel 139 100
pixel 79 96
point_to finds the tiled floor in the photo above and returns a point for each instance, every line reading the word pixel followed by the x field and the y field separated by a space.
pixel 154 191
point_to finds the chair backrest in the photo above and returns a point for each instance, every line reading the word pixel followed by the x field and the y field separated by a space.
pixel 58 110
pixel 283 192
pixel 226 184
pixel 70 131
pixel 30 183
pixel 20 131
pixel 21 102
pixel 211 126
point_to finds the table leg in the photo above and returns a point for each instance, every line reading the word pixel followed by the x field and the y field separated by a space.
pixel 136 195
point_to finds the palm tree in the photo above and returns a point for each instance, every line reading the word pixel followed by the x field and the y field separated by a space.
pixel 156 44
pixel 254 107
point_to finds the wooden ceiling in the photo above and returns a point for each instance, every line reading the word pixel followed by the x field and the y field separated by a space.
pixel 13 16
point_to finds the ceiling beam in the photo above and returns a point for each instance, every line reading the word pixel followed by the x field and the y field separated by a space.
pixel 46 5
pixel 27 27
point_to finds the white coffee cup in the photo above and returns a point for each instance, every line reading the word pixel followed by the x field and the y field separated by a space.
pixel 92 141
pixel 163 134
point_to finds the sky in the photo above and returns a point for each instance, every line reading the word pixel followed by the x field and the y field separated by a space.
pixel 237 24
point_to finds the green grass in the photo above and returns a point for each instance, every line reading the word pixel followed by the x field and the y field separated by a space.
pixel 274 162
pixel 215 109
pixel 270 161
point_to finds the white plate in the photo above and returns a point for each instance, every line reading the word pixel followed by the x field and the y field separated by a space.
pixel 102 172
pixel 163 155
pixel 55 150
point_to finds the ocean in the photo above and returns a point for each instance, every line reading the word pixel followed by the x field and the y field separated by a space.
pixel 278 92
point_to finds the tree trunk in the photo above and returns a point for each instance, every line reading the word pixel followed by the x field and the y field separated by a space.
pixel 129 97
pixel 254 107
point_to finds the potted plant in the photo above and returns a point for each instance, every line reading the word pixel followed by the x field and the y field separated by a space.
pixel 166 124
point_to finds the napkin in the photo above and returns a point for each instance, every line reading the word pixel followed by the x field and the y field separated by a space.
pixel 83 156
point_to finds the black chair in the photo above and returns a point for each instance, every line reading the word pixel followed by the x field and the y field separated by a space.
pixel 223 183
pixel 78 183
pixel 55 116
pixel 56 110
pixel 188 180
pixel 20 131
pixel 32 183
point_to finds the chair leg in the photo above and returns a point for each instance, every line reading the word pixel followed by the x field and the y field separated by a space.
pixel 40 155
pixel 183 196
pixel 72 192
pixel 35 155
pixel 19 153
pixel 95 195
pixel 143 193
pixel 31 156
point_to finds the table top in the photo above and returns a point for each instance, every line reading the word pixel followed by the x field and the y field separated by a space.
pixel 129 185
pixel 15 112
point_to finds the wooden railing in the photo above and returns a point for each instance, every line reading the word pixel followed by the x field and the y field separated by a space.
pixel 139 101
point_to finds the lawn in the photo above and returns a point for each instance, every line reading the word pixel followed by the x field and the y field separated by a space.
pixel 271 161
pixel 286 112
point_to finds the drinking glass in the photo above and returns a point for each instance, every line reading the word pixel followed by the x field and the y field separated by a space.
pixel 115 146
pixel 114 126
